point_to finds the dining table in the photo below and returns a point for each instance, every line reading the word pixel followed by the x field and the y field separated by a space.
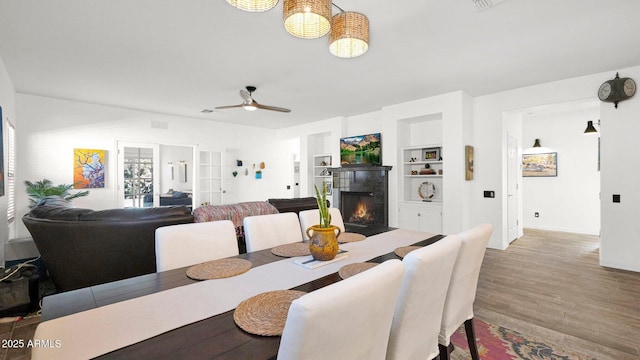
pixel 169 315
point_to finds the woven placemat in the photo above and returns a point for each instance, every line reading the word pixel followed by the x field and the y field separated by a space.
pixel 265 314
pixel 218 269
pixel 354 269
pixel 291 250
pixel 347 237
pixel 404 250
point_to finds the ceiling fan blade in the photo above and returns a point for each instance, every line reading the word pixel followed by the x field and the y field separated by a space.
pixel 245 95
pixel 228 106
pixel 273 108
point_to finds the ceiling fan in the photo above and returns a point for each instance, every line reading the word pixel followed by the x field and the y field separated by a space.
pixel 249 104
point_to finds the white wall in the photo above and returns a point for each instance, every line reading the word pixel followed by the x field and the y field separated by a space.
pixel 619 245
pixel 7 102
pixel 620 239
pixel 49 129
pixel 491 114
pixel 569 202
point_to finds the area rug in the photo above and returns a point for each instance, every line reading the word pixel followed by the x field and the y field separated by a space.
pixel 499 343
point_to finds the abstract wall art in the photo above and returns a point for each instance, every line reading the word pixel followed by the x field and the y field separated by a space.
pixel 88 168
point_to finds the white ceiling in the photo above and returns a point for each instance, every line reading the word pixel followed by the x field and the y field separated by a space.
pixel 179 57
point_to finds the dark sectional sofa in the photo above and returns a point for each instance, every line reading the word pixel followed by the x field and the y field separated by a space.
pixel 83 247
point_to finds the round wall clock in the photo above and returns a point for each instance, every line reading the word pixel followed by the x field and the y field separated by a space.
pixel 616 90
pixel 427 191
pixel 629 87
pixel 604 91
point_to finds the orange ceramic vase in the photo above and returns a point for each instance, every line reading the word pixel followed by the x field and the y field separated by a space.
pixel 323 243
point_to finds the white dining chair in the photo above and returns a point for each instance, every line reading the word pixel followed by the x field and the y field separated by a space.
pixel 458 306
pixel 349 319
pixel 416 322
pixel 267 231
pixel 188 244
pixel 312 217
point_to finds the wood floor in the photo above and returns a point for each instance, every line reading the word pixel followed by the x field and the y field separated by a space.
pixel 550 285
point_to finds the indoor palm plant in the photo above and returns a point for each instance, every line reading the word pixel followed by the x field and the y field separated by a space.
pixel 40 190
pixel 323 244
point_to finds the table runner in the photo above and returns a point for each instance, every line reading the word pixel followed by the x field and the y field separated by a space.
pixel 98 331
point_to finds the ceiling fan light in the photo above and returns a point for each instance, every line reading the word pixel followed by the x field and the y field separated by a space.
pixel 249 107
pixel 307 19
pixel 349 35
pixel 253 5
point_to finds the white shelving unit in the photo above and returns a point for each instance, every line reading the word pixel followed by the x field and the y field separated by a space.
pixel 210 177
pixel 418 171
pixel 322 175
pixel 422 213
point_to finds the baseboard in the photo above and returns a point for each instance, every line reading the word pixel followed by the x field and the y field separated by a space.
pixel 549 228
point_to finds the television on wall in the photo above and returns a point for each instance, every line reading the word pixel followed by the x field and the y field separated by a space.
pixel 361 150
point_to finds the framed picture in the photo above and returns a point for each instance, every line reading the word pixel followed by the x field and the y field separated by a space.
pixel 431 154
pixel 328 185
pixel 88 168
pixel 468 161
pixel 540 165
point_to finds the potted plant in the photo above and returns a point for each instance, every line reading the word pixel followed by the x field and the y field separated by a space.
pixel 323 244
pixel 40 190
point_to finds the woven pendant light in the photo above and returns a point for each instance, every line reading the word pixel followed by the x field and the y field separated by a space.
pixel 307 19
pixel 349 36
pixel 253 5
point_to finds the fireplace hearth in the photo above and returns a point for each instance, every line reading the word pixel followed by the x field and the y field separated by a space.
pixel 362 195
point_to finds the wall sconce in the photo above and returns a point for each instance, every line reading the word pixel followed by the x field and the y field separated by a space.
pixel 171 167
pixel 590 128
pixel 183 171
pixel 537 143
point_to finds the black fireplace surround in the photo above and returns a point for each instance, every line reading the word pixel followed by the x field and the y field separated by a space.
pixel 362 195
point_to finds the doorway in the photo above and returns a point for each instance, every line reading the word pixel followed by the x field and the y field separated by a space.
pixel 138 180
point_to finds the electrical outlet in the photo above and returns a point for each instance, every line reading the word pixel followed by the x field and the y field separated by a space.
pixel 536 214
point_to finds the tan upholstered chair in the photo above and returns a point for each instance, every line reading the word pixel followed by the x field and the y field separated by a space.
pixel 416 322
pixel 458 306
pixel 349 319
pixel 312 217
pixel 267 231
pixel 188 244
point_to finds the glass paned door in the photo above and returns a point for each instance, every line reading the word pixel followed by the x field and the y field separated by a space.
pixel 138 177
pixel 210 187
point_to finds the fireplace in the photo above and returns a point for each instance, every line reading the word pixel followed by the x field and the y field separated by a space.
pixel 358 208
pixel 362 196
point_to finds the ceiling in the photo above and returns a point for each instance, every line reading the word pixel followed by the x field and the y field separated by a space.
pixel 180 57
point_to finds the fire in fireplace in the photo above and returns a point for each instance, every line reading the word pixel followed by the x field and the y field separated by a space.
pixel 359 208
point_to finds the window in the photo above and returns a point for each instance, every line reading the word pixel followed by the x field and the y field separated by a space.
pixel 10 178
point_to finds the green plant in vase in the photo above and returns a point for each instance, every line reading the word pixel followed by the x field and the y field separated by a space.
pixel 323 244
pixel 325 215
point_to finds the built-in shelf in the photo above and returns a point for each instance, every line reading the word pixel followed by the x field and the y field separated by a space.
pixel 413 164
pixel 322 174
